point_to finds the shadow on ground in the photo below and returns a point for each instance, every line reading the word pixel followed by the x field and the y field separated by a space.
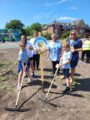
pixel 82 85
pixel 46 84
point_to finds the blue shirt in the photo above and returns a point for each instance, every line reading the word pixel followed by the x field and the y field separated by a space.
pixel 77 43
pixel 66 55
pixel 54 50
pixel 23 56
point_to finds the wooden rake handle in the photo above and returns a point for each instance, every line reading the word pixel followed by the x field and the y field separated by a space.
pixel 18 94
pixel 51 85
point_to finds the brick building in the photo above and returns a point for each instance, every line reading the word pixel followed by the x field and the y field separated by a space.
pixel 61 27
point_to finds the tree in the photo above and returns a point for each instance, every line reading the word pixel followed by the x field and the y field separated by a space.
pixel 36 27
pixel 43 25
pixel 31 29
pixel 47 35
pixel 65 35
pixel 14 24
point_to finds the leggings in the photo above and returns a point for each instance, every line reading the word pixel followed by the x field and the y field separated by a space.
pixel 54 65
pixel 36 58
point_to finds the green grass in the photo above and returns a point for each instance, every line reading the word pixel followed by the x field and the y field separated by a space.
pixel 2 78
pixel 4 65
pixel 6 87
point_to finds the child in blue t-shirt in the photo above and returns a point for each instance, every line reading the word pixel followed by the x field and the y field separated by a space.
pixel 22 64
pixel 66 58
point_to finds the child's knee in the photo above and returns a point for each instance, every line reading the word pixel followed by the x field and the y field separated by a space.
pixel 21 73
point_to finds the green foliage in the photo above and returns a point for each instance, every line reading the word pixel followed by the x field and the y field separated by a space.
pixel 2 78
pixel 43 25
pixel 29 37
pixel 36 27
pixel 47 35
pixel 31 29
pixel 78 36
pixel 14 24
pixel 65 35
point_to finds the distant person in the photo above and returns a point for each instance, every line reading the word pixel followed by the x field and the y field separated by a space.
pixel 75 46
pixel 86 50
pixel 36 56
pixel 54 51
pixel 66 58
pixel 22 64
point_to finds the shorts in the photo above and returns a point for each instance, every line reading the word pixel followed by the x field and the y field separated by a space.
pixel 30 58
pixel 20 67
pixel 74 61
pixel 66 73
pixel 28 64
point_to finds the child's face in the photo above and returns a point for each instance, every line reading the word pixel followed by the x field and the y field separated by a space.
pixel 22 48
pixel 65 48
pixel 23 39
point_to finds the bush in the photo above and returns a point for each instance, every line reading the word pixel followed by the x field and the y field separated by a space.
pixel 29 37
pixel 47 35
pixel 65 35
pixel 78 36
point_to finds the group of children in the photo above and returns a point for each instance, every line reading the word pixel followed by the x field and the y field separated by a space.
pixel 69 58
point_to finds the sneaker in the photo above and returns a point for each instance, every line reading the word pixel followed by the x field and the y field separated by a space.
pixel 38 69
pixel 18 87
pixel 30 80
pixel 25 75
pixel 67 90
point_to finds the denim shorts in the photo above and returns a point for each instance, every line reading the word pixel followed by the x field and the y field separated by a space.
pixel 66 73
pixel 20 67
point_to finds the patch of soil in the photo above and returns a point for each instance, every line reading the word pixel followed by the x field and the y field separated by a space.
pixel 74 106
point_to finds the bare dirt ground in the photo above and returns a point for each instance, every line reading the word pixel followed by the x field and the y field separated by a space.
pixel 75 106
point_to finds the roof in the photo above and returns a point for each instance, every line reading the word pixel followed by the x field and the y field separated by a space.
pixel 78 22
pixel 68 25
pixel 56 23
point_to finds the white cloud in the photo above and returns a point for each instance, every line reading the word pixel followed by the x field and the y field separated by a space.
pixel 72 8
pixel 66 18
pixel 55 3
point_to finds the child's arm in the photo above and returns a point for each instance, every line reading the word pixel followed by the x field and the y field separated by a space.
pixel 59 65
pixel 67 61
pixel 24 67
pixel 31 47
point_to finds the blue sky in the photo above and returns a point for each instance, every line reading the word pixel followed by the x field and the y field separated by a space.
pixel 43 11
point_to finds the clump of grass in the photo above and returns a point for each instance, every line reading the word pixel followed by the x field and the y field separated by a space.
pixel 6 87
pixel 4 65
pixel 2 78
